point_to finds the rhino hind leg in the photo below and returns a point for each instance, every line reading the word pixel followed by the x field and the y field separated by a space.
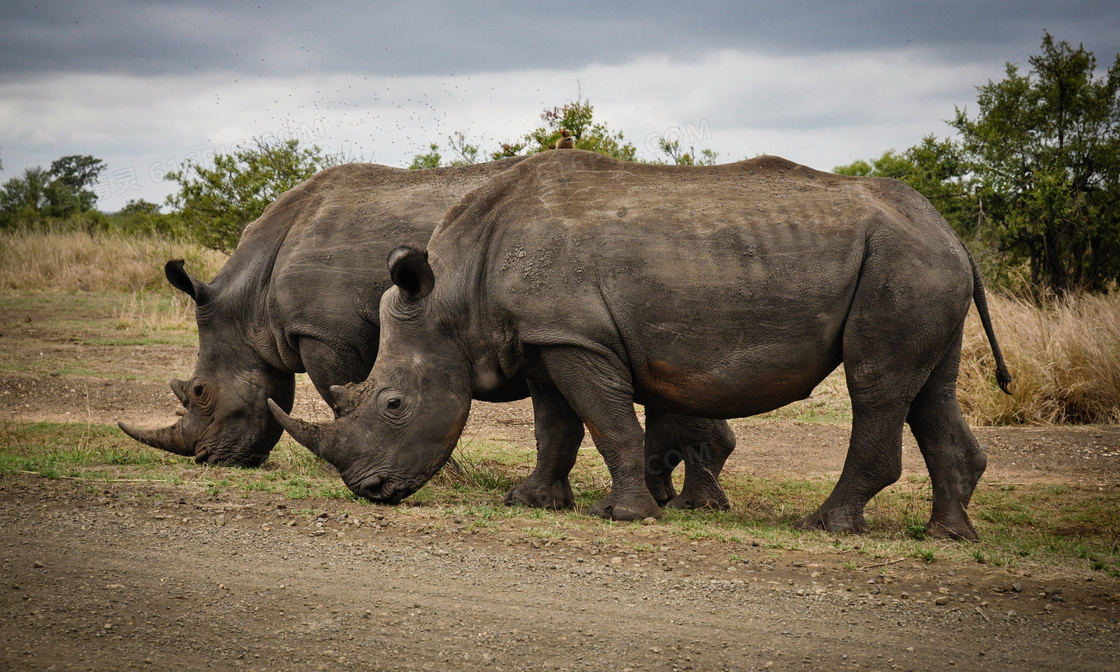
pixel 888 352
pixel 702 444
pixel 953 456
pixel 559 432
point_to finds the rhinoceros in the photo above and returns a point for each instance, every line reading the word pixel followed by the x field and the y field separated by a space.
pixel 301 293
pixel 717 292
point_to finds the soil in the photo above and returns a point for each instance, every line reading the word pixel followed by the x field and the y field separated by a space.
pixel 139 575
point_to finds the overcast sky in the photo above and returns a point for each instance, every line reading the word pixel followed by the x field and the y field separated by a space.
pixel 145 86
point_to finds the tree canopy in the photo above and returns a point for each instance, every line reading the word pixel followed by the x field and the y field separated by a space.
pixel 63 190
pixel 217 203
pixel 1035 174
pixel 1045 151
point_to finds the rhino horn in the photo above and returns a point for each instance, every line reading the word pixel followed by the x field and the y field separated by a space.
pixel 168 438
pixel 307 434
pixel 179 387
pixel 343 396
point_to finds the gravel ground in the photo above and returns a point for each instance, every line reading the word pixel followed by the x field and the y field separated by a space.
pixel 155 577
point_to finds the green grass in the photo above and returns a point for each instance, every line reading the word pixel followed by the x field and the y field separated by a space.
pixel 1020 526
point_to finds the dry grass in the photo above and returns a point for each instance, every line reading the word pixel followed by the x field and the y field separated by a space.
pixel 74 262
pixel 146 313
pixel 1064 357
pixel 1064 360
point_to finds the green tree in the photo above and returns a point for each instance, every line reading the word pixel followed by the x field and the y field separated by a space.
pixel 673 150
pixel 578 118
pixel 216 204
pixel 1045 151
pixel 430 160
pixel 70 191
pixel 937 170
pixel 467 154
pixel 23 199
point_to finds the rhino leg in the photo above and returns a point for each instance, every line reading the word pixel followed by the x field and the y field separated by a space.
pixel 954 458
pixel 887 351
pixel 559 432
pixel 602 395
pixel 704 445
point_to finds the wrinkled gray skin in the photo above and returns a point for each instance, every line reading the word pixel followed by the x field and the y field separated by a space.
pixel 300 294
pixel 720 291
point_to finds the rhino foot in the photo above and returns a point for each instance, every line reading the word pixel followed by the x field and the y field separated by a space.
pixel 661 489
pixel 958 528
pixel 542 495
pixel 833 521
pixel 632 507
pixel 707 502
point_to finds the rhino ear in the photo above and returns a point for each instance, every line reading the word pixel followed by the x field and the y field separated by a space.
pixel 409 269
pixel 185 282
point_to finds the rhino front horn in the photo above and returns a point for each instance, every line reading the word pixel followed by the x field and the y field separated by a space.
pixel 168 438
pixel 306 434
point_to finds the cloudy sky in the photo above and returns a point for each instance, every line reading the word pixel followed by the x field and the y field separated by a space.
pixel 145 86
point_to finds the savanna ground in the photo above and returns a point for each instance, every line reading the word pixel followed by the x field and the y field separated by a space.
pixel 114 556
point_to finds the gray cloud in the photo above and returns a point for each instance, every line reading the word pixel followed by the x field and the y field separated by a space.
pixel 420 38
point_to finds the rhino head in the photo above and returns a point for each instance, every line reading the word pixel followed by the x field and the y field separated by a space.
pixel 226 418
pixel 400 425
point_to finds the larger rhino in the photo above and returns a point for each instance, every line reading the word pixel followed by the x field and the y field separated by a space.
pixel 711 291
pixel 301 293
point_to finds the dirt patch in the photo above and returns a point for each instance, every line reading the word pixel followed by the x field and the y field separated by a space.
pixel 118 575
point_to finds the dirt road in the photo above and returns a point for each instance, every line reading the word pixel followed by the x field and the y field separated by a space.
pixel 126 575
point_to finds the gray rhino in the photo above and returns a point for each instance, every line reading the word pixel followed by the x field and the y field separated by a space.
pixel 720 292
pixel 301 293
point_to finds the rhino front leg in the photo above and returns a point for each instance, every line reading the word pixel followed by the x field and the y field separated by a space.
pixel 602 395
pixel 559 432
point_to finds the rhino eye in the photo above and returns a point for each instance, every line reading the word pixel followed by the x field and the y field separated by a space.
pixel 393 404
pixel 198 389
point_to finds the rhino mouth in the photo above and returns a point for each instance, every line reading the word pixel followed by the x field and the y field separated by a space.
pixel 215 450
pixel 382 490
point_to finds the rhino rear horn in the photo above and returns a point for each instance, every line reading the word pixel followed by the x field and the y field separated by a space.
pixel 168 438
pixel 411 273
pixel 185 282
pixel 306 434
pixel 179 387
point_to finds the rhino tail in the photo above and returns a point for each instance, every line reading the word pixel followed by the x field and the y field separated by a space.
pixel 1003 377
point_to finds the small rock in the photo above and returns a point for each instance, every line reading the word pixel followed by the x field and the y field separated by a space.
pixel 940 601
pixel 649 520
pixel 1017 587
pixel 38 565
pixel 616 560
